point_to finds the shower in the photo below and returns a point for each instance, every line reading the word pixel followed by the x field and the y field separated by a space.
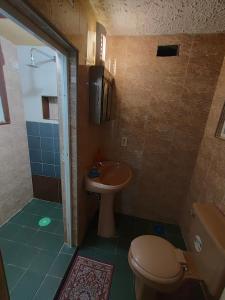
pixel 35 64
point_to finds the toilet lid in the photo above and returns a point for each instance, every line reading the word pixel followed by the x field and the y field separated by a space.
pixel 155 258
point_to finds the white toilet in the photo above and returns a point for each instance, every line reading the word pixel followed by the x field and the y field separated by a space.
pixel 159 266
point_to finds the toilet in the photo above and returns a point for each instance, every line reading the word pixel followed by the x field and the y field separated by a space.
pixel 158 266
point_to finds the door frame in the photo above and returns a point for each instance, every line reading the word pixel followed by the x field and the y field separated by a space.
pixel 67 60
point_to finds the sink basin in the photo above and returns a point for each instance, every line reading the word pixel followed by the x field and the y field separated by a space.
pixel 114 176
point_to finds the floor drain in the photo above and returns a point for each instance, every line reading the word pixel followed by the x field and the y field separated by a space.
pixel 44 221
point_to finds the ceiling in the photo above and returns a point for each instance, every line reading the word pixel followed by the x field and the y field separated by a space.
pixel 148 17
pixel 16 34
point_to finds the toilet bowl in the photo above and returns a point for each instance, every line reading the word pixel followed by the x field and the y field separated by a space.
pixel 158 266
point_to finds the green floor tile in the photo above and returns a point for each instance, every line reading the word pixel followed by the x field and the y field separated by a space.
pixel 37 208
pixel 9 231
pixel 50 204
pixel 68 250
pixel 56 226
pixel 105 244
pixel 48 241
pixel 25 235
pixel 87 251
pixel 59 228
pixel 177 241
pixel 29 253
pixel 27 286
pixel 104 257
pixel 48 288
pixel 57 205
pixel 60 265
pixel 143 227
pixel 13 274
pixel 26 219
pixel 42 262
pixel 8 249
pixel 43 202
pixel 122 289
pixel 123 246
pixel 123 280
pixel 56 213
pixel 172 229
pixel 23 255
pixel 124 225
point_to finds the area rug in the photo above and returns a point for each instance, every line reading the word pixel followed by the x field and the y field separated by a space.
pixel 87 279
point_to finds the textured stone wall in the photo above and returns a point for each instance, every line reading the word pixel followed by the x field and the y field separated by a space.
pixel 208 180
pixel 15 174
pixel 163 105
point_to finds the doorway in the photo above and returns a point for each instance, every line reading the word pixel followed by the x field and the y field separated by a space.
pixel 50 165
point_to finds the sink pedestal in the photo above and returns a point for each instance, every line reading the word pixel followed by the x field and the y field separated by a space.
pixel 113 177
pixel 106 222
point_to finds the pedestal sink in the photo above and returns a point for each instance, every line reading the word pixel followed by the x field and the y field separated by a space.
pixel 114 176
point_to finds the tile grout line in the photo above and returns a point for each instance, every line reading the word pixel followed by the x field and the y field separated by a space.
pixel 39 250
pixel 20 210
pixel 26 270
pixel 33 298
pixel 18 280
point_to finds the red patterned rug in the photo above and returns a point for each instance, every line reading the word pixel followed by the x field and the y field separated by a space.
pixel 87 279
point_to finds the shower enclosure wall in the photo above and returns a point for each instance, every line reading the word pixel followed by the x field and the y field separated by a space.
pixel 15 174
pixel 39 82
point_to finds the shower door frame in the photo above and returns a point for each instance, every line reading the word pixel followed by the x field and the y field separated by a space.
pixel 67 59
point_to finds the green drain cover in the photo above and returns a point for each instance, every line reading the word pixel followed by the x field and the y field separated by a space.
pixel 44 221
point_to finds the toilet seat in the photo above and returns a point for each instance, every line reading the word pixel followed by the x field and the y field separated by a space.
pixel 156 260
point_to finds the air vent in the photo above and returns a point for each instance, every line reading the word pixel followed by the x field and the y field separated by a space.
pixel 168 50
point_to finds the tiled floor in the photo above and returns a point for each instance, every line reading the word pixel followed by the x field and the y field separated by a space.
pixel 115 250
pixel 35 257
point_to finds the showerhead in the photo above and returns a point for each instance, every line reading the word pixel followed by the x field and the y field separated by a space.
pixel 32 61
pixel 34 64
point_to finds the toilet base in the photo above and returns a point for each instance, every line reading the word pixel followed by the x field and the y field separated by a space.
pixel 143 291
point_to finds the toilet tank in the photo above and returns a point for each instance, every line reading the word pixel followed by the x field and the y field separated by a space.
pixel 207 242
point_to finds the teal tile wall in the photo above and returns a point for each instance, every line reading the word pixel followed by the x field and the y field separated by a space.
pixel 43 142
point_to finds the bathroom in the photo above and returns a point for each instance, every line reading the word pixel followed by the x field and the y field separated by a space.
pixel 166 129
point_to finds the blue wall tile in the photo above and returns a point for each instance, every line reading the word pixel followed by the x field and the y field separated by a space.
pixel 46 130
pixel 47 144
pixel 55 130
pixel 48 170
pixel 48 157
pixel 34 142
pixel 36 169
pixel 43 141
pixel 56 145
pixel 56 158
pixel 33 128
pixel 57 171
pixel 35 156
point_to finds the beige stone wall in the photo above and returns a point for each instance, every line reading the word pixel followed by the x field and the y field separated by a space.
pixel 15 174
pixel 208 180
pixel 163 105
